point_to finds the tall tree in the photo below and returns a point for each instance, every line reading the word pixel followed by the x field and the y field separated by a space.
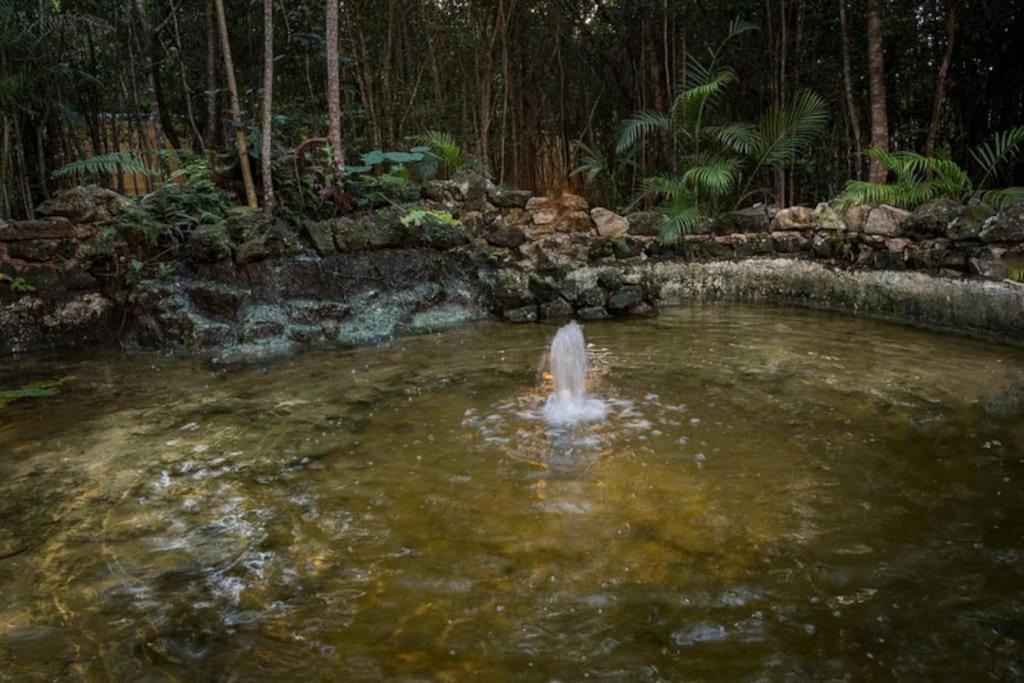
pixel 952 21
pixel 334 97
pixel 236 108
pixel 851 104
pixel 876 86
pixel 267 122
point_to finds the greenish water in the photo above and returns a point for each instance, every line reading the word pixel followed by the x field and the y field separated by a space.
pixel 775 495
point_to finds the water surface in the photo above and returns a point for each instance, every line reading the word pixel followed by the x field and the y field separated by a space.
pixel 774 495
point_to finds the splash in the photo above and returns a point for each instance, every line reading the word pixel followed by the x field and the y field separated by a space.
pixel 568 403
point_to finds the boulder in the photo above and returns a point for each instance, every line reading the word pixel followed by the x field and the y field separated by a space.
pixel 969 224
pixel 209 244
pixel 625 298
pixel 45 229
pixel 512 290
pixel 754 219
pixel 279 240
pixel 84 204
pixel 508 199
pixel 506 236
pixel 559 309
pixel 793 218
pixel 1006 226
pixel 592 313
pixel 932 219
pixel 526 314
pixel 566 213
pixel 470 186
pixel 591 297
pixel 856 216
pixel 645 223
pixel 827 218
pixel 887 221
pixel 321 236
pixel 624 248
pixel 609 223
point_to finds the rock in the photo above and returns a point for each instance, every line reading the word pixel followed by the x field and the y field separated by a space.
pixel 932 218
pixel 209 244
pixel 85 204
pixel 793 218
pixel 437 191
pixel 216 298
pixel 41 251
pixel 754 219
pixel 559 309
pixel 321 236
pixel 645 223
pixel 512 290
pixel 625 248
pixel 436 234
pixel 46 229
pixel 525 314
pixel 470 187
pixel 625 298
pixel 610 279
pixel 507 236
pixel 969 224
pixel 826 218
pixel 278 241
pixel 897 244
pixel 592 313
pixel 887 221
pixel 566 213
pixel 591 297
pixel 508 199
pixel 856 216
pixel 315 312
pixel 262 322
pixel 349 234
pixel 1005 226
pixel 609 223
pixel 544 288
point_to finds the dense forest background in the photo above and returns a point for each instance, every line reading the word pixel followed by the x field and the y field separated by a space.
pixel 518 83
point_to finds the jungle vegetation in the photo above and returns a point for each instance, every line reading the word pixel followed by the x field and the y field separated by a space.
pixel 694 106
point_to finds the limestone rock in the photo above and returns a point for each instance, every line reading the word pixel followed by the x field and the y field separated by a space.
pixel 84 204
pixel 826 218
pixel 46 229
pixel 525 314
pixel 609 223
pixel 1006 226
pixel 209 244
pixel 933 218
pixel 321 236
pixel 887 221
pixel 508 199
pixel 856 216
pixel 793 218
pixel 506 236
pixel 512 290
pixel 754 219
pixel 969 224
pixel 625 298
pixel 645 223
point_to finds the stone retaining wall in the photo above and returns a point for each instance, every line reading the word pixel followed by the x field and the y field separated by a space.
pixel 252 287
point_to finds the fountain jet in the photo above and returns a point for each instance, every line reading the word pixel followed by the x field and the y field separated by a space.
pixel 568 404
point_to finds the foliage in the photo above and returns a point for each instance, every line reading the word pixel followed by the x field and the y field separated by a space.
pixel 108 165
pixel 606 176
pixel 918 179
pixel 714 159
pixel 40 389
pixel 420 217
pixel 17 284
pixel 443 156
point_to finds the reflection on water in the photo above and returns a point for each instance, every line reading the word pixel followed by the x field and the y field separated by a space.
pixel 772 494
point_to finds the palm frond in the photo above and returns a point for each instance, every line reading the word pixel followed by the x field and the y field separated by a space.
pixel 592 162
pixel 739 137
pixel 783 131
pixel 641 124
pixel 1004 148
pixel 712 175
pixel 673 188
pixel 446 148
pixel 678 218
pixel 1002 198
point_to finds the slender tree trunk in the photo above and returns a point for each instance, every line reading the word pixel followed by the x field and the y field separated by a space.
pixel 876 78
pixel 19 154
pixel 952 17
pixel 851 103
pixel 211 75
pixel 334 96
pixel 197 137
pixel 236 107
pixel 268 99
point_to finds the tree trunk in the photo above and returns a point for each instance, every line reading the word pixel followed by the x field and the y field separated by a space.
pixel 334 101
pixel 211 75
pixel 940 83
pixel 876 78
pixel 851 103
pixel 236 107
pixel 268 99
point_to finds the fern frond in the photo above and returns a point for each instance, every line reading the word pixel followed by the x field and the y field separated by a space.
pixel 1002 198
pixel 123 161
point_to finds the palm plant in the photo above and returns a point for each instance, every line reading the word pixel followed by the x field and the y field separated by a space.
pixel 444 155
pixel 605 175
pixel 918 179
pixel 719 163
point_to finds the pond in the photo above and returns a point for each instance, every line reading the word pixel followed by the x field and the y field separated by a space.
pixel 772 493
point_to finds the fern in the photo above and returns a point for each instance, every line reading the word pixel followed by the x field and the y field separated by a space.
pixel 114 163
pixel 443 154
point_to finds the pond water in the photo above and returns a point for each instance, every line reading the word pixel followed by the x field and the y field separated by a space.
pixel 773 494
